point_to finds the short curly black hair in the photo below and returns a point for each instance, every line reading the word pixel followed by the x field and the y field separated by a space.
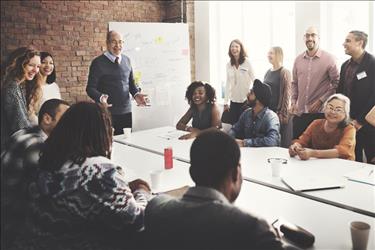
pixel 210 91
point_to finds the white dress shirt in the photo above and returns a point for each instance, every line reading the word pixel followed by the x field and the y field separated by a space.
pixel 112 57
pixel 239 82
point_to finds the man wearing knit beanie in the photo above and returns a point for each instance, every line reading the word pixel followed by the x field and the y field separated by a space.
pixel 258 126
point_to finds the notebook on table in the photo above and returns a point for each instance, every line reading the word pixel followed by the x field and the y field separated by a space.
pixel 365 175
pixel 312 183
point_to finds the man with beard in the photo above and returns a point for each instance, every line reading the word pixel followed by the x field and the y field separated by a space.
pixel 357 81
pixel 315 78
pixel 258 126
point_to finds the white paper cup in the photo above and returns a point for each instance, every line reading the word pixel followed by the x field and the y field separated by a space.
pixel 156 179
pixel 276 165
pixel 360 232
pixel 127 132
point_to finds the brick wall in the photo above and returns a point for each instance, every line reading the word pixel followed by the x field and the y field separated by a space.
pixel 73 31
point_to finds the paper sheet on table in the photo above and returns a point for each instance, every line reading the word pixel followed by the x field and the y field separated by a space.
pixel 362 175
pixel 174 134
pixel 312 183
pixel 169 180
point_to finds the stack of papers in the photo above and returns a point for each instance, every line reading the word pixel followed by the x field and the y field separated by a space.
pixel 311 183
pixel 364 175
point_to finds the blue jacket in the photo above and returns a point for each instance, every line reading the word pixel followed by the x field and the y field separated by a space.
pixel 263 131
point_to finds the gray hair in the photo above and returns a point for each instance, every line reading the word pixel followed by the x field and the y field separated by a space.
pixel 346 102
pixel 360 36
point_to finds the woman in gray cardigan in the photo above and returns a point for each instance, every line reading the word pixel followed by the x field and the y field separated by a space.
pixel 279 79
pixel 20 92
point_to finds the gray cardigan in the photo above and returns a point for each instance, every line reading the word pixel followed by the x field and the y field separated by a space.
pixel 13 110
pixel 115 80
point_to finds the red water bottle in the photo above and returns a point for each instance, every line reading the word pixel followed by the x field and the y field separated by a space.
pixel 168 158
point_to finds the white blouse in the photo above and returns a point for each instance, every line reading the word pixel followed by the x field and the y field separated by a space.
pixel 50 91
pixel 239 82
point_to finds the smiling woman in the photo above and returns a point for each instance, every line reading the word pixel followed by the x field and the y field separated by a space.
pixel 20 95
pixel 332 137
pixel 48 77
pixel 203 110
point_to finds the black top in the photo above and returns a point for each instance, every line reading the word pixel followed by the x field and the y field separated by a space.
pixel 273 78
pixel 202 120
pixel 362 93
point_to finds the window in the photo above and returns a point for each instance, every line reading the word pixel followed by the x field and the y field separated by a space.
pixel 263 24
pixel 338 19
pixel 259 25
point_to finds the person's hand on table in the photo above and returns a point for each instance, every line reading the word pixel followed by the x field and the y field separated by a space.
pixel 305 153
pixel 139 184
pixel 294 148
pixel 193 133
pixel 240 143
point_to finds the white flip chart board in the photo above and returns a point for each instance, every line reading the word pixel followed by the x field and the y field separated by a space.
pixel 160 57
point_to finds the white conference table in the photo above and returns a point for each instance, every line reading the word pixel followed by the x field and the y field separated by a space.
pixel 354 196
pixel 155 140
pixel 138 163
pixel 329 224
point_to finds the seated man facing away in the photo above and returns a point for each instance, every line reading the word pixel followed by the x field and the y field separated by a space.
pixel 258 126
pixel 19 164
pixel 204 218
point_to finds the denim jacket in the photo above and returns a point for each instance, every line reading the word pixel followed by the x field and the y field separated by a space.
pixel 263 131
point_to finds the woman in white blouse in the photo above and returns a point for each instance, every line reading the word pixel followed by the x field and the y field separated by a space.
pixel 48 74
pixel 240 77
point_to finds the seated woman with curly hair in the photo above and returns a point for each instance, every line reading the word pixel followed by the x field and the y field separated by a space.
pixel 203 110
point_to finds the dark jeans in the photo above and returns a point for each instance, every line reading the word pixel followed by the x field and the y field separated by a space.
pixel 286 133
pixel 121 121
pixel 365 140
pixel 300 123
pixel 235 110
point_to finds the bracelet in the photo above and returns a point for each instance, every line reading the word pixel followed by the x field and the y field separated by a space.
pixel 187 128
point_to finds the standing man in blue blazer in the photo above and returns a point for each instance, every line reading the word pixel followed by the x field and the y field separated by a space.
pixel 111 80
pixel 357 81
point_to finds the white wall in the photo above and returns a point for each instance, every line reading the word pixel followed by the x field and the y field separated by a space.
pixel 202 44
pixel 307 14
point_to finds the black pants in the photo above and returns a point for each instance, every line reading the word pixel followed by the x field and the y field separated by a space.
pixel 235 110
pixel 300 123
pixel 121 121
pixel 365 140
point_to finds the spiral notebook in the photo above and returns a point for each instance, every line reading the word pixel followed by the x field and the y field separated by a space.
pixel 312 183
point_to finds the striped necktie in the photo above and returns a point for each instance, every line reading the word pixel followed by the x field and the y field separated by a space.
pixel 116 60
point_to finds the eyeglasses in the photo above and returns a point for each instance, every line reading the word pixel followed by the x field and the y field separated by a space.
pixel 307 35
pixel 335 110
pixel 115 42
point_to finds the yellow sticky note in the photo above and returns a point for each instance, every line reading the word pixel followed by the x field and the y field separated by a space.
pixel 159 40
pixel 137 77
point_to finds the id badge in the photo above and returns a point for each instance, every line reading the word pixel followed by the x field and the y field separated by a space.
pixel 361 75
